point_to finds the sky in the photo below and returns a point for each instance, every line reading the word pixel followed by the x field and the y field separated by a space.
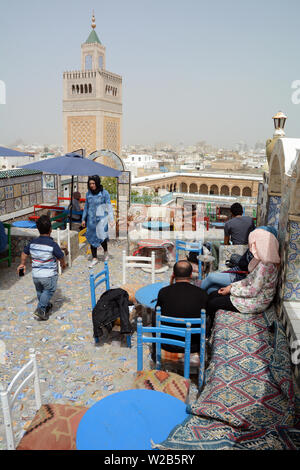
pixel 192 70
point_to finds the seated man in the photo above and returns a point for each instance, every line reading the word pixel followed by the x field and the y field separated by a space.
pixel 76 208
pixel 181 299
pixel 237 229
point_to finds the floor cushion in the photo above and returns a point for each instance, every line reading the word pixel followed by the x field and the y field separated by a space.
pixel 162 381
pixel 54 427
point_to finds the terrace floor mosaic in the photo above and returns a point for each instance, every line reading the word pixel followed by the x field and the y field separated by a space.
pixel 71 368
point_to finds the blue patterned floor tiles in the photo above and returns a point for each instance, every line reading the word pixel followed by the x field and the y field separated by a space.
pixel 71 368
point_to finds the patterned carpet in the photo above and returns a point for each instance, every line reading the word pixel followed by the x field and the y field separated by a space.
pixel 249 400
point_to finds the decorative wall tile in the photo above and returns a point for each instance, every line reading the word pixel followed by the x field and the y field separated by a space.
pixel 274 210
pixel 50 196
pixel 124 177
pixel 17 190
pixel 25 201
pixel 283 218
pixel 38 186
pixel 32 199
pixel 2 208
pixel 31 187
pixel 10 205
pixel 25 188
pixel 39 198
pixel 9 192
pixel 292 282
pixel 18 203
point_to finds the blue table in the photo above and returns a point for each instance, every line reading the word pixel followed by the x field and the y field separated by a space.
pixel 128 420
pixel 147 295
pixel 156 225
pixel 217 224
pixel 24 224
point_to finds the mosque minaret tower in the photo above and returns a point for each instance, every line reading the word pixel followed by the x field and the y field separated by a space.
pixel 92 101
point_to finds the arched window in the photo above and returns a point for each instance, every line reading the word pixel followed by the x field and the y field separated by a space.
pixel 73 89
pixel 214 189
pixel 81 88
pixel 77 89
pixel 235 191
pixel 183 188
pixel 85 88
pixel 88 62
pixel 247 191
pixel 224 191
pixel 193 188
pixel 203 189
pixel 90 88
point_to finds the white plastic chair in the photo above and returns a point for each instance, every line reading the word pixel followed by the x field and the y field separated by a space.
pixel 8 397
pixel 139 262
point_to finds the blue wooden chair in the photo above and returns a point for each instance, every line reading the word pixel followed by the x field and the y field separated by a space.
pixel 195 247
pixel 183 332
pixel 185 321
pixel 158 380
pixel 95 281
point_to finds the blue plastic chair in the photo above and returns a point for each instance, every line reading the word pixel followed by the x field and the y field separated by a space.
pixel 182 332
pixel 195 247
pixel 185 321
pixel 95 281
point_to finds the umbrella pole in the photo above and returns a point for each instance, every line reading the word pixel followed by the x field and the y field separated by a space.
pixel 71 203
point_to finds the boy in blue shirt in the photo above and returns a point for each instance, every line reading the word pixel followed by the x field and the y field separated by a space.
pixel 45 253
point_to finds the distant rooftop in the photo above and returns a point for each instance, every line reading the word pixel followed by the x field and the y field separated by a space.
pixel 158 176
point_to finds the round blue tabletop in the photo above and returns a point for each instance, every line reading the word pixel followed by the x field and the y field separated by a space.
pixel 156 225
pixel 24 224
pixel 129 420
pixel 147 295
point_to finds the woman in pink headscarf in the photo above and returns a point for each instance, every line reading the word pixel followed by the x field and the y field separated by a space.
pixel 256 292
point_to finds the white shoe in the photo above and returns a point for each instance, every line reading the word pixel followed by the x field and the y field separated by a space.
pixel 93 263
pixel 106 257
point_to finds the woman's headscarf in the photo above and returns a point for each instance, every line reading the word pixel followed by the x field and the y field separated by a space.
pixel 99 186
pixel 264 246
pixel 270 229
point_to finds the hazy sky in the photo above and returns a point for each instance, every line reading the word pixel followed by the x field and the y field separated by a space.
pixel 192 69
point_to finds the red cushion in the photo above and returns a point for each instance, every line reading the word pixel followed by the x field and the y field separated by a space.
pixel 54 427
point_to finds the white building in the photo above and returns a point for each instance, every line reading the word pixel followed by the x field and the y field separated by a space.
pixel 135 161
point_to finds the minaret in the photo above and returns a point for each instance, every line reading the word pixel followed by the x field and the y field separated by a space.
pixel 92 101
pixel 92 51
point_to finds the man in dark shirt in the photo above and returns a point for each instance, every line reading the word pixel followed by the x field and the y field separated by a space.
pixel 181 300
pixel 238 228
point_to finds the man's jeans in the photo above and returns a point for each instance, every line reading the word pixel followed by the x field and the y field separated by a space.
pixel 45 288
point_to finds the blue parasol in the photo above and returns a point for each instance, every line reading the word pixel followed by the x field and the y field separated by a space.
pixel 72 164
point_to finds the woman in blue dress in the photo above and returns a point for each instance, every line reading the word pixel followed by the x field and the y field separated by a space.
pixel 97 211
